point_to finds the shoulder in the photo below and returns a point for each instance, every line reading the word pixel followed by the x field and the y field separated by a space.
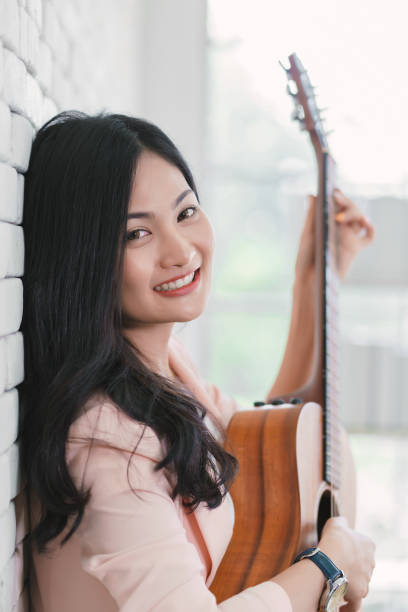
pixel 104 423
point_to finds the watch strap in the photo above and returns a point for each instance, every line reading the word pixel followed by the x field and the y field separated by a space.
pixel 326 565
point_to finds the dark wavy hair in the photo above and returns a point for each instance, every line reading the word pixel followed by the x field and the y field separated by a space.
pixel 77 190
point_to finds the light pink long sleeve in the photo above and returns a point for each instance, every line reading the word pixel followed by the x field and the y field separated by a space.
pixel 137 551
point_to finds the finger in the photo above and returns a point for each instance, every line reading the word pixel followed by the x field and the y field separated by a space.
pixel 370 229
pixel 352 213
pixel 356 220
pixel 338 520
pixel 362 227
pixel 348 211
pixel 366 233
pixel 341 200
pixel 351 606
pixel 358 227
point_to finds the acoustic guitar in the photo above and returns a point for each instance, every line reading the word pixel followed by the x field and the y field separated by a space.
pixel 296 468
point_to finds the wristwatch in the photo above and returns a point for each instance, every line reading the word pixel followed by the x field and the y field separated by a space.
pixel 337 583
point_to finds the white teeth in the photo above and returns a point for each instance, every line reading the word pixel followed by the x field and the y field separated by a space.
pixel 180 282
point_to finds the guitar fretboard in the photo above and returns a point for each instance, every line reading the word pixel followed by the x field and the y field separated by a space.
pixel 332 442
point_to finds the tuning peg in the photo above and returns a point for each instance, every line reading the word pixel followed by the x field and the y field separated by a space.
pixel 320 119
pixel 302 122
pixel 290 91
pixel 287 70
pixel 298 113
pixel 295 115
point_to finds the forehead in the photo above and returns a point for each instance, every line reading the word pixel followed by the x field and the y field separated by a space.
pixel 156 181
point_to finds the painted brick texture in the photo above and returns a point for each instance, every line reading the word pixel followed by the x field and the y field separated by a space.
pixel 54 55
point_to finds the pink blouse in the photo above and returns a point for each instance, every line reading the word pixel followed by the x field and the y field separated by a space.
pixel 139 550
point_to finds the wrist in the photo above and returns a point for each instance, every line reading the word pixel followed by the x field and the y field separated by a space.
pixel 313 573
pixel 336 553
pixel 336 584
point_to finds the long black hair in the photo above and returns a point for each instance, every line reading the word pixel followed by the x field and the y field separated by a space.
pixel 77 190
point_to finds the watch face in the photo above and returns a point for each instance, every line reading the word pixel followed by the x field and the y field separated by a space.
pixel 336 595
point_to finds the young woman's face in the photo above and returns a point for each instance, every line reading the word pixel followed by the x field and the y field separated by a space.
pixel 169 247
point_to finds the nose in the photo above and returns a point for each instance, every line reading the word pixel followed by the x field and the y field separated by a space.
pixel 176 250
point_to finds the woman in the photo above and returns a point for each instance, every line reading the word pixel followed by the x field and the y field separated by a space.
pixel 128 481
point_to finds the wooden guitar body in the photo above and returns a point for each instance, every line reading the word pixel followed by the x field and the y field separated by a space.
pixel 279 495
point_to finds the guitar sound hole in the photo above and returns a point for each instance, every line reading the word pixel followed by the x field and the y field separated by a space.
pixel 326 511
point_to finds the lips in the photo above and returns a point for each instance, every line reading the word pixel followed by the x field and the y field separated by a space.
pixel 175 278
pixel 188 287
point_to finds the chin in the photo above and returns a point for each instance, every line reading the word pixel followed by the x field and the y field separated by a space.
pixel 186 316
pixel 189 311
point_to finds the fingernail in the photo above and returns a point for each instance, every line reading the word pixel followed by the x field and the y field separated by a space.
pixel 340 216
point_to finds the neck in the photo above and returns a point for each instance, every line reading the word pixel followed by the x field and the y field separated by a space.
pixel 152 340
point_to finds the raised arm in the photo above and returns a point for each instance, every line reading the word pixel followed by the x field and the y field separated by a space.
pixel 355 233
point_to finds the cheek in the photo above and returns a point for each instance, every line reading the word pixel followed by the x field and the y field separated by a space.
pixel 134 275
pixel 207 239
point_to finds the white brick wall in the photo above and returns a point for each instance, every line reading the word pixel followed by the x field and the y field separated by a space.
pixel 54 55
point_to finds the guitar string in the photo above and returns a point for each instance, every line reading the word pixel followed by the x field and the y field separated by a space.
pixel 335 461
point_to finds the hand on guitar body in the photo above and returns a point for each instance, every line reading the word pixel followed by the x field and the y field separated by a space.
pixel 353 552
pixel 350 551
pixel 355 232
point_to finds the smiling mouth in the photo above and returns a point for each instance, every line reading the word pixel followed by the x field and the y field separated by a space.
pixel 179 283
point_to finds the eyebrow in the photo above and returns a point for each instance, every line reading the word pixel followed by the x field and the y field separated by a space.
pixel 149 215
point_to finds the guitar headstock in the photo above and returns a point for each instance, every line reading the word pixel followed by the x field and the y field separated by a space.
pixel 306 110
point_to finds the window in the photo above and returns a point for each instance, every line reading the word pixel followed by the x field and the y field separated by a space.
pixel 260 168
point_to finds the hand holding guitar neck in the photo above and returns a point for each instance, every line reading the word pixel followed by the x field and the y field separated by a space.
pixel 354 232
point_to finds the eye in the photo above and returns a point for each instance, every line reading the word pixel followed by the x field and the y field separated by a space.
pixel 137 234
pixel 187 212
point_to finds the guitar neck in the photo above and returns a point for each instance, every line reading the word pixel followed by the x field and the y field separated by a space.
pixel 323 384
pixel 326 319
